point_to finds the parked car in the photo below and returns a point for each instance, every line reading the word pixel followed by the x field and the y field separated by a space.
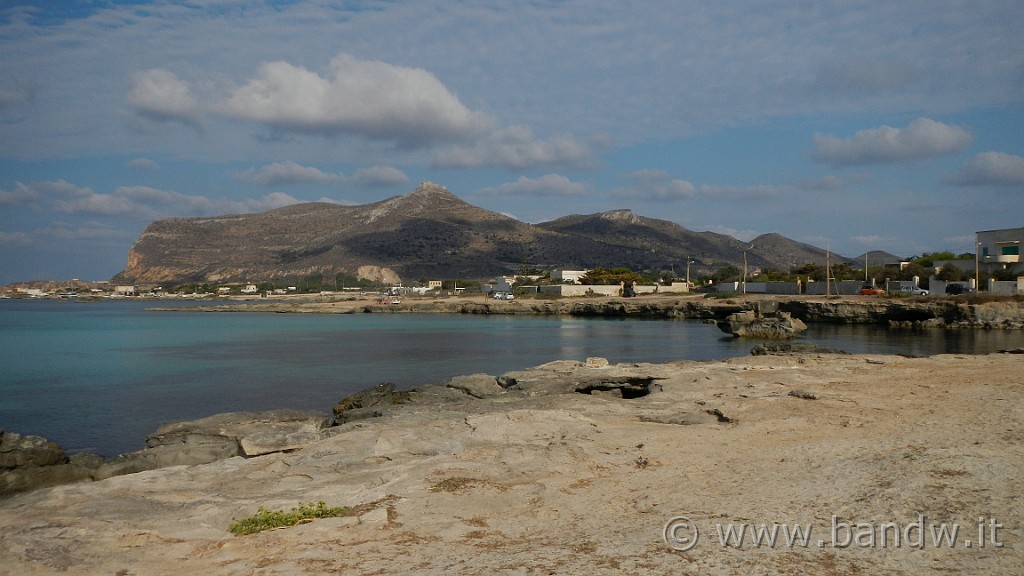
pixel 914 291
pixel 871 290
pixel 958 289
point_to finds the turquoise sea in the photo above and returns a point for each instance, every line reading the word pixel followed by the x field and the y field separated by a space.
pixel 100 376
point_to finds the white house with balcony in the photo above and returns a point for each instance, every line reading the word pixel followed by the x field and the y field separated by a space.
pixel 1000 250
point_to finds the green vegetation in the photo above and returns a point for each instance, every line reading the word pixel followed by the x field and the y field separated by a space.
pixel 269 519
pixel 600 276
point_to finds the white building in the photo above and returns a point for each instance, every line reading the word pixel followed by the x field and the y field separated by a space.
pixel 568 276
pixel 1000 250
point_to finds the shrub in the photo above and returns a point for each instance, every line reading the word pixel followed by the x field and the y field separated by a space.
pixel 269 519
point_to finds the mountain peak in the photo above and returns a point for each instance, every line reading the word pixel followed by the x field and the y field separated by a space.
pixel 625 215
pixel 430 190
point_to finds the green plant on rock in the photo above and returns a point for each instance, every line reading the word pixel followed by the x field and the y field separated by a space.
pixel 265 519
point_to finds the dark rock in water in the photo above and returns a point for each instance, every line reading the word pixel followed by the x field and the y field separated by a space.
pixel 752 324
pixel 31 462
pixel 368 403
pixel 382 394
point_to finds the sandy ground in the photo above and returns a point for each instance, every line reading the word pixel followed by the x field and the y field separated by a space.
pixel 851 448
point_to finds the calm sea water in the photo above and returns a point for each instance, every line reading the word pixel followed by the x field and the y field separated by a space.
pixel 99 377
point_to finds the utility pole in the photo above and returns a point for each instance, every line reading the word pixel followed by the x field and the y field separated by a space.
pixel 977 275
pixel 745 267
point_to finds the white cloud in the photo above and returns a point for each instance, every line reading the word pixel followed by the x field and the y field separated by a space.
pixel 160 95
pixel 367 98
pixel 655 185
pixel 381 176
pixel 90 230
pixel 991 169
pixel 514 147
pixel 46 190
pixel 292 173
pixel 21 194
pixel 288 172
pixel 143 164
pixel 548 185
pixel 922 138
pixel 143 202
pixel 15 238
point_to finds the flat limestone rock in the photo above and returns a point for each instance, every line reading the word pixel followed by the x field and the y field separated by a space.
pixel 581 484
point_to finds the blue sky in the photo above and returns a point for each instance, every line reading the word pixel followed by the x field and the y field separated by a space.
pixel 858 125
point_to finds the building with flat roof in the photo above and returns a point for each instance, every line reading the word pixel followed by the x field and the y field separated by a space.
pixel 1000 250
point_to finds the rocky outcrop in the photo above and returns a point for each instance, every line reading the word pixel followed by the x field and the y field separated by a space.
pixel 954 313
pixel 31 462
pixel 749 324
pixel 764 321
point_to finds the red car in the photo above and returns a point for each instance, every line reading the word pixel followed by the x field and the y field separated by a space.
pixel 869 290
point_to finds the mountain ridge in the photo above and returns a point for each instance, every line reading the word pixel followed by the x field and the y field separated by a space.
pixel 428 232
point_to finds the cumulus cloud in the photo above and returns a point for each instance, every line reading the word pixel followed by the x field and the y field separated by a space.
pixel 21 194
pixel 380 176
pixel 548 185
pixel 991 169
pixel 514 147
pixel 367 98
pixel 655 185
pixel 41 191
pixel 293 173
pixel 922 138
pixel 288 172
pixel 144 202
pixel 161 96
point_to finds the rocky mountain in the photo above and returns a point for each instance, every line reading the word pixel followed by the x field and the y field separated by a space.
pixel 785 253
pixel 428 232
pixel 878 258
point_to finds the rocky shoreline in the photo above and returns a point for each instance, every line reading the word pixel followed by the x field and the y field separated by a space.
pixel 946 313
pixel 577 467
